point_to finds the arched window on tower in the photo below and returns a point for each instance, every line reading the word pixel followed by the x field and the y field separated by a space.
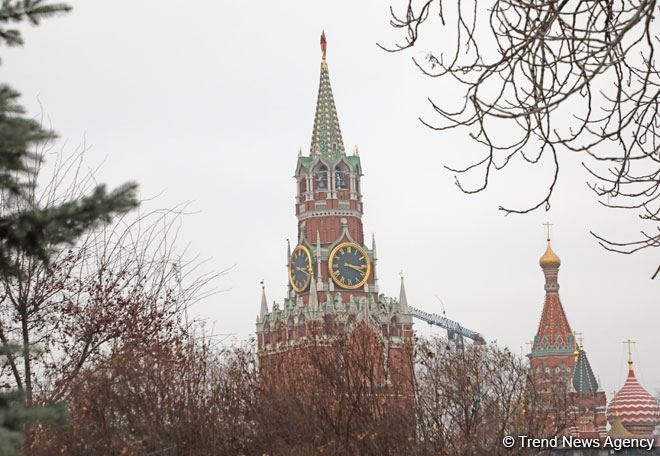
pixel 321 177
pixel 302 186
pixel 342 177
pixel 266 339
pixel 395 328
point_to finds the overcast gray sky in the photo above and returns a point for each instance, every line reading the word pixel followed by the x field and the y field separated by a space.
pixel 210 101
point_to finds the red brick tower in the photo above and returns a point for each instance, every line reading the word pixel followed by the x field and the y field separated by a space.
pixel 553 351
pixel 333 286
pixel 560 366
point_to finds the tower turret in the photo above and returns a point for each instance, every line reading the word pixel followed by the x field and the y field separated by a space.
pixel 560 365
pixel 588 400
pixel 403 299
pixel 584 380
pixel 264 303
pixel 554 343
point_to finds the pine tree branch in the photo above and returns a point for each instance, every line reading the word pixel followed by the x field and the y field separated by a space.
pixel 21 10
pixel 38 232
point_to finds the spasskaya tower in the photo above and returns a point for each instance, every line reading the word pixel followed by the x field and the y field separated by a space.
pixel 332 273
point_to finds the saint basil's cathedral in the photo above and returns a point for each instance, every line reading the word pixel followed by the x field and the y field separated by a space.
pixel 559 360
pixel 333 288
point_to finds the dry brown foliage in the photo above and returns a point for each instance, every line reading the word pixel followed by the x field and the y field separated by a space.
pixel 468 401
pixel 181 398
pixel 329 398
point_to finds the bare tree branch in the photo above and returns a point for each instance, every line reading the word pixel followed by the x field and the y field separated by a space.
pixel 539 77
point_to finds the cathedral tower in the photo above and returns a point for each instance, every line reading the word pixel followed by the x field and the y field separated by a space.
pixel 332 279
pixel 553 349
pixel 560 367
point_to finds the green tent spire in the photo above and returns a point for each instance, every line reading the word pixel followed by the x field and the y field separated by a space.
pixel 326 137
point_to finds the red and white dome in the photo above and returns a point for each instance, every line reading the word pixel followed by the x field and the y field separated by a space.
pixel 637 409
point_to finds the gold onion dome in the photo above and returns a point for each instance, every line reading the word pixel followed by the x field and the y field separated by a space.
pixel 549 258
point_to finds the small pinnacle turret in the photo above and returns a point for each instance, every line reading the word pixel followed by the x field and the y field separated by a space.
pixel 264 302
pixel 617 429
pixel 403 299
pixel 313 297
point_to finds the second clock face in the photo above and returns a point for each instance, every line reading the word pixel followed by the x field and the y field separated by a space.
pixel 349 265
pixel 300 268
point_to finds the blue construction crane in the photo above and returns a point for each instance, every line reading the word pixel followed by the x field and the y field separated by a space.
pixel 455 332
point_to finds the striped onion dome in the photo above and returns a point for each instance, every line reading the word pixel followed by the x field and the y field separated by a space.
pixel 637 409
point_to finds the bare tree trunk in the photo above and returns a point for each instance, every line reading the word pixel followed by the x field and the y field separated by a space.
pixel 27 357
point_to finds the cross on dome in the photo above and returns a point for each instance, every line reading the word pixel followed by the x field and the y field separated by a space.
pixel 547 226
pixel 629 343
pixel 549 260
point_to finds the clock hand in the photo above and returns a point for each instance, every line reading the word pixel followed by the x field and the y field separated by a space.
pixel 357 268
pixel 301 269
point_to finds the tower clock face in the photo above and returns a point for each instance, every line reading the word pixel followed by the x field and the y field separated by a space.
pixel 300 268
pixel 349 265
